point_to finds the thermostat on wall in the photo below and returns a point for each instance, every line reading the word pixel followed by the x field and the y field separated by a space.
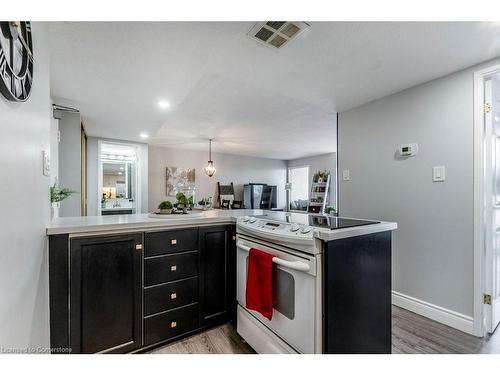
pixel 407 150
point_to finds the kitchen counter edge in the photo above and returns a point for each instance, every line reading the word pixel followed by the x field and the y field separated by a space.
pixel 93 225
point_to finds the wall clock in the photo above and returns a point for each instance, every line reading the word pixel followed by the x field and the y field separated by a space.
pixel 16 60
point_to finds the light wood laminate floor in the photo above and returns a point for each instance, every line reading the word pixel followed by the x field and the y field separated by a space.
pixel 411 333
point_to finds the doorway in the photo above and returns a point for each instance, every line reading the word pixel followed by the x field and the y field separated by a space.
pixel 486 200
pixel 119 185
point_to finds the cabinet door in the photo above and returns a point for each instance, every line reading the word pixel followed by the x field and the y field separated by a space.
pixel 215 275
pixel 106 294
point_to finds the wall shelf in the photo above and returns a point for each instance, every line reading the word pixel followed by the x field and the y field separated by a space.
pixel 318 197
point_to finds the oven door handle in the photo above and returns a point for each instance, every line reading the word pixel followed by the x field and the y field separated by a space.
pixel 297 265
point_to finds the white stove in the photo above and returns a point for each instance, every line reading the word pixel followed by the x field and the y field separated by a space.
pixel 294 241
pixel 297 234
pixel 296 324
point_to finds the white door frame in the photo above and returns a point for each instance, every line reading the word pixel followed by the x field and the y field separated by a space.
pixel 479 327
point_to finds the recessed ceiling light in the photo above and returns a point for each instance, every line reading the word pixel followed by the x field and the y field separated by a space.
pixel 144 135
pixel 122 169
pixel 163 104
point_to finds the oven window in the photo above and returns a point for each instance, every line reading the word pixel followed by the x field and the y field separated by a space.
pixel 284 292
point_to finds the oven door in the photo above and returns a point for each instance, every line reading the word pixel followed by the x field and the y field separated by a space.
pixel 295 296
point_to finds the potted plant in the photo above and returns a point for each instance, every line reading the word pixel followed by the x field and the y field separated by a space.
pixel 182 201
pixel 330 210
pixel 321 176
pixel 165 207
pixel 57 195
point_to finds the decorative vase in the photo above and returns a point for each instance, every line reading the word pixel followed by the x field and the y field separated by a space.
pixel 54 210
pixel 165 211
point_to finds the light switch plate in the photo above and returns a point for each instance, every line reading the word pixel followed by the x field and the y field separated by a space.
pixel 439 173
pixel 346 175
pixel 46 163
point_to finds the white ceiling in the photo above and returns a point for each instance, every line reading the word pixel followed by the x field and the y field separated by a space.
pixel 252 99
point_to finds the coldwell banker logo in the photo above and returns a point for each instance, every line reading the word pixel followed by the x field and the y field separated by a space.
pixel 33 350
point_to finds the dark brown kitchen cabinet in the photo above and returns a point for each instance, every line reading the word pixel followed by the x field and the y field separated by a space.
pixel 171 241
pixel 130 292
pixel 217 277
pixel 165 268
pixel 106 294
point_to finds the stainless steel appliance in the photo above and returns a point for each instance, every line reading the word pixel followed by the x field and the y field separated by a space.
pixel 259 196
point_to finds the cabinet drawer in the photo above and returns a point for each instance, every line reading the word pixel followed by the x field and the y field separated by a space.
pixel 173 241
pixel 170 267
pixel 170 295
pixel 170 324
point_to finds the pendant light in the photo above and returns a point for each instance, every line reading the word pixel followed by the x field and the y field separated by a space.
pixel 210 168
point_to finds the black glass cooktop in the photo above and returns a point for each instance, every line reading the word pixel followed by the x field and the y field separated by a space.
pixel 333 222
pixel 320 221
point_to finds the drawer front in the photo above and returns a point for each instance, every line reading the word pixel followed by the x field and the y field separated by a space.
pixel 170 324
pixel 170 268
pixel 171 295
pixel 173 241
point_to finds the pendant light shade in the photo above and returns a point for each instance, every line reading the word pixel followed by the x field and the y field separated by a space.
pixel 210 168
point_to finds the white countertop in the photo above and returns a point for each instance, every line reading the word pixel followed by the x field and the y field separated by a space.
pixel 95 224
pixel 86 224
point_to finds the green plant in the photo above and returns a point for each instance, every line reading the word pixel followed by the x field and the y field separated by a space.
pixel 181 198
pixel 58 194
pixel 203 202
pixel 190 200
pixel 321 174
pixel 330 209
pixel 165 205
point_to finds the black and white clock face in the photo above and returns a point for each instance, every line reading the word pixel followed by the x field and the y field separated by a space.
pixel 16 60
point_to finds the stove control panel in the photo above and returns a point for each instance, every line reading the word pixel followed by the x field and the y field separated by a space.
pixel 292 230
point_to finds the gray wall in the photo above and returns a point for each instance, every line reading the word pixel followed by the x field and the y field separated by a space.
pixel 320 162
pixel 93 196
pixel 70 162
pixel 230 168
pixel 25 209
pixel 433 246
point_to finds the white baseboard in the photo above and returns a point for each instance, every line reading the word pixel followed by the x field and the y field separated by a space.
pixel 451 318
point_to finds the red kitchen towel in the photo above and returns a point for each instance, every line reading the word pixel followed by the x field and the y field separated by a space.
pixel 259 291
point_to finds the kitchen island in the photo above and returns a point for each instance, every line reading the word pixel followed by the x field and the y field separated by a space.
pixel 128 283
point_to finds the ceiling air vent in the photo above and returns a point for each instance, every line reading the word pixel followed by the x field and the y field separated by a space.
pixel 276 34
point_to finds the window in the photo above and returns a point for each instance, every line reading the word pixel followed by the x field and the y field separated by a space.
pixel 298 177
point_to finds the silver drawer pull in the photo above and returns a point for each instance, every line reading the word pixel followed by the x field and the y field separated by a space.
pixel 173 242
pixel 173 324
pixel 138 247
pixel 173 268
pixel 173 295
